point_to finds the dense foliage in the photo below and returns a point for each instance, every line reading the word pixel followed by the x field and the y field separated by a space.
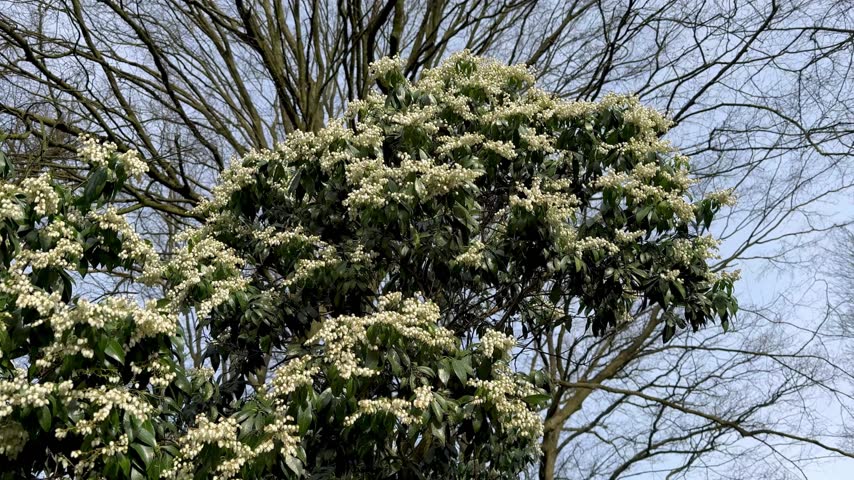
pixel 361 289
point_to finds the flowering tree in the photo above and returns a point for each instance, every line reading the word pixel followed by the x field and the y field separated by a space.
pixel 360 289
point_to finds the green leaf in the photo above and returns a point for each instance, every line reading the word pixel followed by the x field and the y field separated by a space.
pixel 94 186
pixel 135 474
pixel 669 331
pixel 154 468
pixel 555 293
pixel 145 453
pixel 183 383
pixel 303 420
pixel 294 465
pixel 207 391
pixel 642 213
pixel 444 374
pixel 438 434
pixel 114 350
pixel 460 370
pixel 420 189
pixel 124 464
pixel 6 166
pixel 476 422
pixel 323 399
pixel 145 434
pixel 394 361
pixel 537 399
pixel 679 288
pixel 438 411
pixel 45 418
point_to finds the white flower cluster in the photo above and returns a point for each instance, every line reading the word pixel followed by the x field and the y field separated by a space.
pixel 13 439
pixel 645 118
pixel 224 434
pixel 570 110
pixel 151 321
pixel 640 190
pixel 41 194
pixel 384 66
pixel 670 275
pixel 537 142
pixel 491 77
pixel 64 254
pixel 559 206
pixel 594 243
pixel 103 401
pixel 410 318
pixel 438 179
pixel 162 374
pixel 291 376
pixel 494 340
pixel 423 397
pixel 506 393
pixel 113 447
pixel 724 197
pixel 94 152
pixel 71 345
pixel 134 165
pixel 36 191
pixel 306 268
pixel 449 144
pixel 612 179
pixel 92 407
pixel 240 173
pixel 645 171
pixel 194 263
pixel 18 285
pixel 202 373
pixel 707 246
pixel 86 459
pixel 331 145
pixel 686 250
pixel 19 392
pixel 370 177
pixel 623 236
pixel 222 290
pixel 98 154
pixel 398 407
pixel 359 255
pixel 508 111
pixel 728 276
pixel 683 251
pixel 473 256
pixel 680 177
pixel 407 412
pixel 504 149
pixel 11 206
pixel 62 317
pixel 424 118
pixel 371 102
pixel 133 246
pixel 640 146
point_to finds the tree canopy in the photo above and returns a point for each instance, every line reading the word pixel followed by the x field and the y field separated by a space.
pixel 360 290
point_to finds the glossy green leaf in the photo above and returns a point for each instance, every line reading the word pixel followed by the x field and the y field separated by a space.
pixel 114 350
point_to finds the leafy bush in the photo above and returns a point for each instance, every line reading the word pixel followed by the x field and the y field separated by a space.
pixel 361 289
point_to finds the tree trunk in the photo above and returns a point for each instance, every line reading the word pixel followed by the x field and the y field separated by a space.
pixel 547 463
